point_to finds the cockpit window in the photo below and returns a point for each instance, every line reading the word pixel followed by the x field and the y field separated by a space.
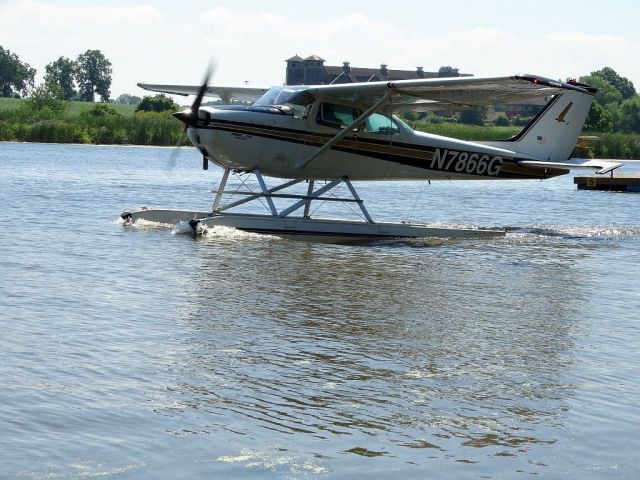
pixel 381 124
pixel 338 116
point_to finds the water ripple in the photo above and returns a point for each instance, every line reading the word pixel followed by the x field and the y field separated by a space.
pixel 143 353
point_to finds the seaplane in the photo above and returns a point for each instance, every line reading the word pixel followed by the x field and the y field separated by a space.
pixel 326 136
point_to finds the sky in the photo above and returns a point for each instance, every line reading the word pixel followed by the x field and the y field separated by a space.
pixel 172 42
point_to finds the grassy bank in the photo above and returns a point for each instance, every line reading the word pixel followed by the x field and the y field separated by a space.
pixel 83 122
pixel 466 132
pixel 9 103
pixel 616 145
pixel 74 108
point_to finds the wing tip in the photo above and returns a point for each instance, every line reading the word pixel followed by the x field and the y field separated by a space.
pixel 549 82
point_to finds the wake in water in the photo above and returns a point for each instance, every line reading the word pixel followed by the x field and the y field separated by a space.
pixel 144 225
pixel 604 232
pixel 183 228
pixel 561 232
pixel 230 233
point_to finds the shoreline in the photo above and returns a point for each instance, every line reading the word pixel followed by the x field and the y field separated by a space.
pixel 127 145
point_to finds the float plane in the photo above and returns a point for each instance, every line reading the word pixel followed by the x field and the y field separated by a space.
pixel 331 135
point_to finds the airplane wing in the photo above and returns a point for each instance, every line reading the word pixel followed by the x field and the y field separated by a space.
pixel 450 93
pixel 226 93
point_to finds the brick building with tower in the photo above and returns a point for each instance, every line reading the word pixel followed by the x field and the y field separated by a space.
pixel 313 71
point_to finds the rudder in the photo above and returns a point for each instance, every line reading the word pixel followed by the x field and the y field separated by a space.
pixel 553 133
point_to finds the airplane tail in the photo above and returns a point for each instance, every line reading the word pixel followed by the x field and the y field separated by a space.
pixel 553 133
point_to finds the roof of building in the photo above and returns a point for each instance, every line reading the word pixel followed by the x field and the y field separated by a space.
pixel 357 74
pixel 348 74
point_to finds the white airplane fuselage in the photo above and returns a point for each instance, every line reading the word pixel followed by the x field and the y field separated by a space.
pixel 277 142
pixel 339 133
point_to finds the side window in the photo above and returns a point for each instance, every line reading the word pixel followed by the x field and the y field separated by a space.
pixel 299 111
pixel 339 116
pixel 336 116
pixel 381 124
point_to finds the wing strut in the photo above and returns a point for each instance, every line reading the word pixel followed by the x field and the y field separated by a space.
pixel 345 131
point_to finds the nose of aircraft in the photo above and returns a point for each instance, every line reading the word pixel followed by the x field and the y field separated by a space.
pixel 192 118
pixel 186 117
pixel 189 116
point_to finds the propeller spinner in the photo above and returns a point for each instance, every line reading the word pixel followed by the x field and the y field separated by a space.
pixel 189 116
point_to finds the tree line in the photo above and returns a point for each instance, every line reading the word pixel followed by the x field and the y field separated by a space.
pixel 65 79
pixel 616 108
pixel 80 79
pixel 46 115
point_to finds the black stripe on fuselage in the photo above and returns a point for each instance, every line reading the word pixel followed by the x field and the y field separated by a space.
pixel 400 154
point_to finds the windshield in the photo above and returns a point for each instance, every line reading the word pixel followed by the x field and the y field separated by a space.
pixel 284 95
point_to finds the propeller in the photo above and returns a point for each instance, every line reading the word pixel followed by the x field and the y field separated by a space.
pixel 189 116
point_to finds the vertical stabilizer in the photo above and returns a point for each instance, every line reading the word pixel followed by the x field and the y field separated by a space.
pixel 553 133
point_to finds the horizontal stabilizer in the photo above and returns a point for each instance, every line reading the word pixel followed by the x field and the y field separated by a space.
pixel 600 165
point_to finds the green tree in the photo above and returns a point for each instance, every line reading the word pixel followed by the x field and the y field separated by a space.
pixel 502 120
pixel 622 84
pixel 604 113
pixel 46 98
pixel 15 75
pixel 93 75
pixel 102 110
pixel 599 119
pixel 128 99
pixel 630 115
pixel 157 103
pixel 607 94
pixel 473 116
pixel 60 74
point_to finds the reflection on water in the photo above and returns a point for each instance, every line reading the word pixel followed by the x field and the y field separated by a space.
pixel 406 349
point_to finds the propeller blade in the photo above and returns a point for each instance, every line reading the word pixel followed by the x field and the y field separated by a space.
pixel 203 89
pixel 175 151
pixel 173 156
pixel 189 116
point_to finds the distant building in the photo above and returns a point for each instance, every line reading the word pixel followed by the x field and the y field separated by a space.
pixel 525 108
pixel 313 71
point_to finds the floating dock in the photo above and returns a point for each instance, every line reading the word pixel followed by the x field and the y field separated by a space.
pixel 619 183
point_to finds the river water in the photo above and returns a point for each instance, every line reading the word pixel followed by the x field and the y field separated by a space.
pixel 147 353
